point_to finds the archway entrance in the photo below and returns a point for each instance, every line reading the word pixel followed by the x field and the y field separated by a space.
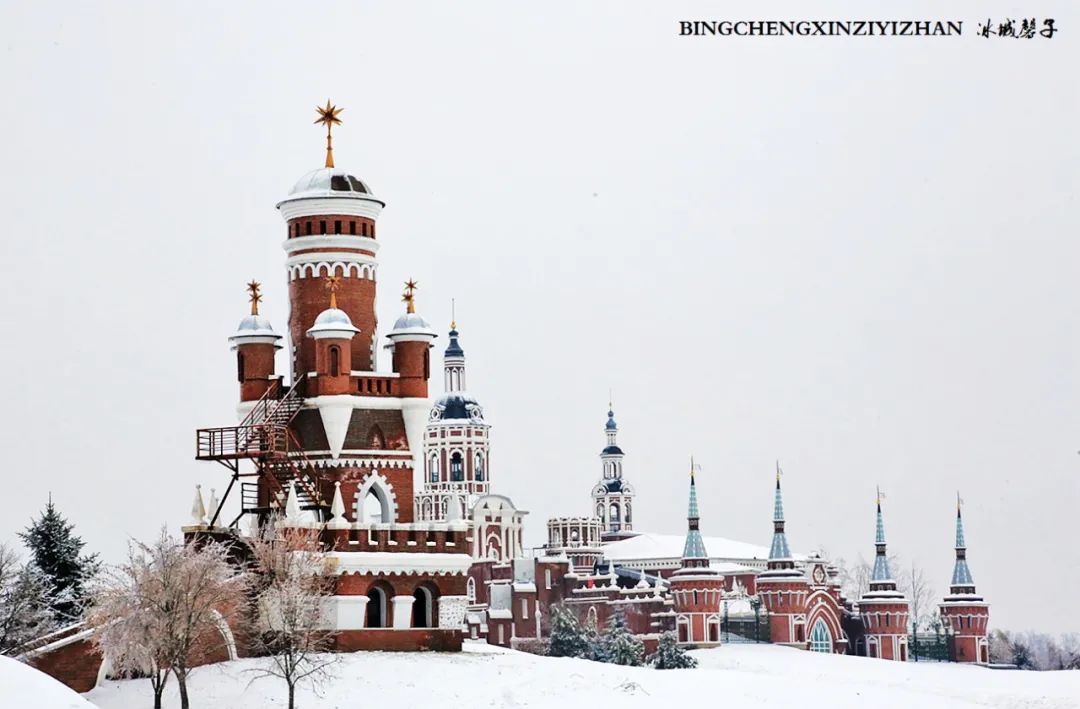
pixel 378 603
pixel 423 608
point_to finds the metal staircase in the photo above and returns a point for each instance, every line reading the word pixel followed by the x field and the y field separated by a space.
pixel 264 437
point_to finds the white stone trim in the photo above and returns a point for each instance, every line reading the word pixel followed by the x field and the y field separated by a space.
pixel 351 204
pixel 402 611
pixel 344 613
pixel 390 563
pixel 330 241
pixel 390 504
pixel 312 265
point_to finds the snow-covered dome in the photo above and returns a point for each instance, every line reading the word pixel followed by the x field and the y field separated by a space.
pixel 333 322
pixel 411 326
pixel 329 182
pixel 254 329
pixel 457 406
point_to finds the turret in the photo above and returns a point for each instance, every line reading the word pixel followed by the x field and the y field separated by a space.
pixel 783 589
pixel 696 588
pixel 410 343
pixel 883 609
pixel 330 231
pixel 963 611
pixel 255 343
pixel 333 334
pixel 613 497
pixel 454 362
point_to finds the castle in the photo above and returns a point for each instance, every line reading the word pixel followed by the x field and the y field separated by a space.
pixel 424 554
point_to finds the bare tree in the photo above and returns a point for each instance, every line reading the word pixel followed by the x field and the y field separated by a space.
pixel 164 600
pixel 292 586
pixel 912 582
pixel 25 609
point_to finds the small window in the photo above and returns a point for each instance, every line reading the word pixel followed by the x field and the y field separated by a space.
pixel 357 185
pixel 322 227
pixel 339 183
pixel 352 228
pixel 308 228
pixel 335 362
pixel 337 226
pixel 240 367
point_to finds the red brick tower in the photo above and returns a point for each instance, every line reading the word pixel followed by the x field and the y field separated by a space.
pixel 330 231
pixel 255 343
pixel 782 587
pixel 884 610
pixel 696 589
pixel 963 611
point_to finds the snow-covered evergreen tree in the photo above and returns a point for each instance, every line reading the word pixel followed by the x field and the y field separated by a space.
pixel 618 645
pixel 57 552
pixel 25 612
pixel 670 656
pixel 567 638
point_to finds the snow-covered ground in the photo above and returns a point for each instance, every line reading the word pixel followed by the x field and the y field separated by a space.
pixel 23 686
pixel 732 676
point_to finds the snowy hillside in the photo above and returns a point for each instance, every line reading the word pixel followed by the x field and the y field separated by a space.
pixel 732 676
pixel 23 686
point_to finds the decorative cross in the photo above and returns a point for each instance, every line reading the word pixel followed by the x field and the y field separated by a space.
pixel 328 116
pixel 409 296
pixel 332 285
pixel 254 297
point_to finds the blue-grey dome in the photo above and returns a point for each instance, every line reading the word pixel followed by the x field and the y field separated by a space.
pixel 612 450
pixel 333 322
pixel 457 406
pixel 610 425
pixel 453 349
pixel 614 485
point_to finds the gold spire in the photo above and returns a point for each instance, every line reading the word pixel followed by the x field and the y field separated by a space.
pixel 332 285
pixel 453 314
pixel 328 116
pixel 409 296
pixel 254 297
pixel 778 471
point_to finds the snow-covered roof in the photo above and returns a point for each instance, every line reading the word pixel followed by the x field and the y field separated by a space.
pixel 333 323
pixel 649 546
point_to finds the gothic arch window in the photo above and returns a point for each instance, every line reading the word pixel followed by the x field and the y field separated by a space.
pixel 590 617
pixel 335 361
pixel 614 512
pixel 470 590
pixel 820 637
pixel 375 507
pixel 478 467
pixel 424 612
pixel 434 467
pixel 457 467
pixel 626 512
pixel 240 366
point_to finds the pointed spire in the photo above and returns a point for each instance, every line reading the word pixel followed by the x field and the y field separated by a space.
pixel 292 504
pixel 694 553
pixel 882 573
pixel 198 509
pixel 779 549
pixel 337 510
pixel 212 508
pixel 962 582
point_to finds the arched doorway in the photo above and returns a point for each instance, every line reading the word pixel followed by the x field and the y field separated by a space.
pixel 821 639
pixel 424 610
pixel 378 615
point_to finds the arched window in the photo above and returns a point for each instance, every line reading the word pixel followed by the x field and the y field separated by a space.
pixel 626 511
pixel 614 513
pixel 820 637
pixel 335 361
pixel 470 590
pixel 600 510
pixel 376 440
pixel 590 618
pixel 457 468
pixel 478 467
pixel 378 603
pixel 433 467
pixel 240 366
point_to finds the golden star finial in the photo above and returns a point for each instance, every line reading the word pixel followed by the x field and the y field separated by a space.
pixel 409 296
pixel 332 285
pixel 254 297
pixel 328 116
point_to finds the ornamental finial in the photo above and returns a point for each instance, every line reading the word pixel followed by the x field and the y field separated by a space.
pixel 254 296
pixel 453 314
pixel 409 296
pixel 328 116
pixel 332 285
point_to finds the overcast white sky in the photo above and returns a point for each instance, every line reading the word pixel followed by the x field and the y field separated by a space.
pixel 855 255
